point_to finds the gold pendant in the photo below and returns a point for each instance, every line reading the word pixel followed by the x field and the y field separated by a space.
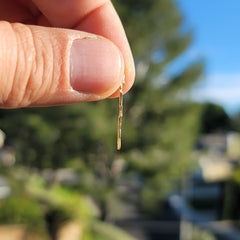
pixel 120 115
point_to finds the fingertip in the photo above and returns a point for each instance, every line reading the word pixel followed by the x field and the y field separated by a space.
pixel 129 81
pixel 97 66
pixel 105 22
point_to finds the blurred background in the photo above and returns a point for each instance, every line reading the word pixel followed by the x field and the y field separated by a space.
pixel 177 176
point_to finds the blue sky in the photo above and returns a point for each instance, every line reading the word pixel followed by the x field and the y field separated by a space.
pixel 216 28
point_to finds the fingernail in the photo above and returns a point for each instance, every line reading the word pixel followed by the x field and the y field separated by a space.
pixel 96 66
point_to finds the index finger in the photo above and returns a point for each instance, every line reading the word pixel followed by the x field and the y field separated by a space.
pixel 94 16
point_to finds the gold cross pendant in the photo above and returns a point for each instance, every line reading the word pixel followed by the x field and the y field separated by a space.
pixel 120 115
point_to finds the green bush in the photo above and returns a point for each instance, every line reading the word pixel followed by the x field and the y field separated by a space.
pixel 20 210
pixel 103 231
pixel 199 234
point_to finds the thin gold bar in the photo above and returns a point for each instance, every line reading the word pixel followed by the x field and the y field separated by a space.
pixel 120 115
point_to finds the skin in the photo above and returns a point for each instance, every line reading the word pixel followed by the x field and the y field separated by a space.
pixel 35 50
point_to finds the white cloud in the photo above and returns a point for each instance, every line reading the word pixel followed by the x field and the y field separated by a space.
pixel 220 95
pixel 223 89
pixel 231 80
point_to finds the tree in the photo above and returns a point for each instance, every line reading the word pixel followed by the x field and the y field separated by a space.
pixel 236 122
pixel 160 121
pixel 214 119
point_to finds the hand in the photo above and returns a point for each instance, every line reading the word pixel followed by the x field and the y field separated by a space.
pixel 56 52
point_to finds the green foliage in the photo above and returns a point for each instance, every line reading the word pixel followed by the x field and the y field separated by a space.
pixel 21 210
pixel 214 119
pixel 232 198
pixel 104 231
pixel 199 234
pixel 65 203
pixel 40 207
pixel 236 122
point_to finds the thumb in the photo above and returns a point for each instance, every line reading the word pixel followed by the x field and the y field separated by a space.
pixel 42 66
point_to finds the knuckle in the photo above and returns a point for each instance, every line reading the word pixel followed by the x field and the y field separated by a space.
pixel 8 57
pixel 26 74
pixel 34 66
